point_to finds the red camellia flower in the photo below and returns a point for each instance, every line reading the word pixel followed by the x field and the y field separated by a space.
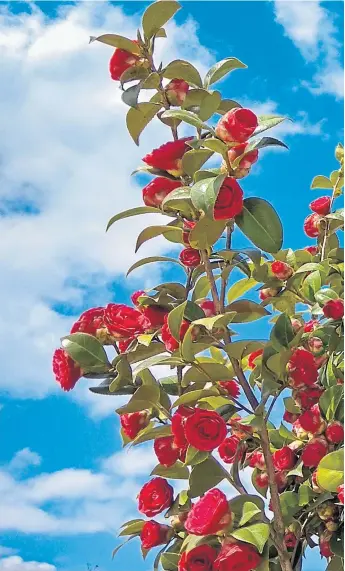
pixel 312 225
pixel 313 250
pixel 66 371
pixel 133 422
pixel 155 496
pixel 237 125
pixel 308 397
pixel 302 368
pixel 248 160
pixel 257 460
pixel 120 61
pixel 122 321
pixel 210 514
pixel 314 451
pixel 208 307
pixel 188 225
pixel 166 452
pixel 155 192
pixel 281 270
pixel 311 420
pixel 340 492
pixel 152 317
pixel 231 387
pixel 228 448
pixel 321 205
pixel 171 344
pixel 201 558
pixel 309 326
pixel 325 547
pixel 229 201
pixel 261 479
pixel 176 91
pixel 135 296
pixel 190 257
pixel 205 429
pixel 290 540
pixel 168 157
pixel 290 417
pixel 252 358
pixel 334 309
pixel 89 321
pixel 284 459
pixel 178 422
pixel 123 345
pixel 153 534
pixel 237 557
pixel 335 432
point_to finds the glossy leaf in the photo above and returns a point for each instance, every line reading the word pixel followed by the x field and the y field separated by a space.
pixel 204 193
pixel 282 333
pixel 206 232
pixel 330 471
pixel 193 397
pixel 209 105
pixel 154 231
pixel 205 476
pixel 331 400
pixel 133 212
pixel 175 472
pixel 180 69
pixel 151 260
pixel 239 288
pixel 261 224
pixel 256 145
pixel 158 14
pixel 87 351
pixel 222 68
pixel 256 534
pixel 175 318
pixel 267 122
pixel 226 105
pixel 246 311
pixel 321 181
pixel 117 42
pixel 138 118
pixel 188 117
pixel 194 159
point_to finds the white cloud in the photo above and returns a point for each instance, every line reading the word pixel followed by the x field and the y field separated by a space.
pixel 312 28
pixel 6 550
pixel 16 563
pixel 23 459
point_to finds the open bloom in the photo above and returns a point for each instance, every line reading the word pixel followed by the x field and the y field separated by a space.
pixel 155 496
pixel 231 387
pixel 205 429
pixel 210 514
pixel 156 190
pixel 314 451
pixel 66 371
pixel 166 451
pixel 123 321
pixel 89 321
pixel 168 339
pixel 284 459
pixel 237 125
pixel 302 368
pixel 201 558
pixel 229 201
pixel 334 309
pixel 228 449
pixel 335 432
pixel 237 557
pixel 176 91
pixel 168 157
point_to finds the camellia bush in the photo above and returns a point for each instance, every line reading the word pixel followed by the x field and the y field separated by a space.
pixel 210 420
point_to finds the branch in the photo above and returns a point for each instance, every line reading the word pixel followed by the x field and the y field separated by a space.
pixel 325 236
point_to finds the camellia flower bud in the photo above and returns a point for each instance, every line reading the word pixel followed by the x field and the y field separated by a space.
pixel 171 344
pixel 335 432
pixel 229 201
pixel 237 125
pixel 257 460
pixel 153 534
pixel 334 309
pixel 261 479
pixel 246 162
pixel 228 449
pixel 120 61
pixel 340 492
pixel 155 192
pixel 253 358
pixel 231 387
pixel 311 420
pixel 310 325
pixel 166 451
pixel 312 225
pixel 321 205
pixel 133 422
pixel 281 270
pixel 284 459
pixel 267 292
pixel 290 417
pixel 313 250
pixel 290 539
pixel 208 307
pixel 168 157
pixel 314 451
pixel 176 91
pixel 190 257
pixel 188 225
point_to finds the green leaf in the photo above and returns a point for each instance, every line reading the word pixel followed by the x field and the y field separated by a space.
pixel 205 476
pixel 215 145
pixel 132 527
pixel 240 288
pixel 204 193
pixel 261 224
pixel 209 105
pixel 130 95
pixel 150 260
pixel 175 318
pixel 194 159
pixel 206 232
pixel 202 287
pixel 169 561
pixel 188 117
pixel 331 401
pixel 305 494
pixel 247 311
pixel 330 471
pixel 240 349
pixel 321 181
pixel 87 351
pixel 175 472
pixel 289 505
pixel 118 42
pixel 226 105
pixel 180 69
pixel 133 212
pixel 282 333
pixel 154 231
pixel 133 73
pixel 206 372
pixel 121 545
pixel 151 433
pixel 138 118
pixel 158 14
pixel 180 201
pixel 222 68
pixel 250 510
pixel 195 456
pixel 267 122
pixel 152 81
pixel 257 144
pixel 256 534
pixel 193 397
pixel 147 396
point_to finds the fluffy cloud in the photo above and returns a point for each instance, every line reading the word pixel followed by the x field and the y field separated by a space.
pixel 16 563
pixel 23 459
pixel 313 30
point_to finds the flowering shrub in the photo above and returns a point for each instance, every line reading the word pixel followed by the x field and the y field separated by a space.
pixel 218 400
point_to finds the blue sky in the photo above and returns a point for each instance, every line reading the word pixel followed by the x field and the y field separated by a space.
pixel 65 164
